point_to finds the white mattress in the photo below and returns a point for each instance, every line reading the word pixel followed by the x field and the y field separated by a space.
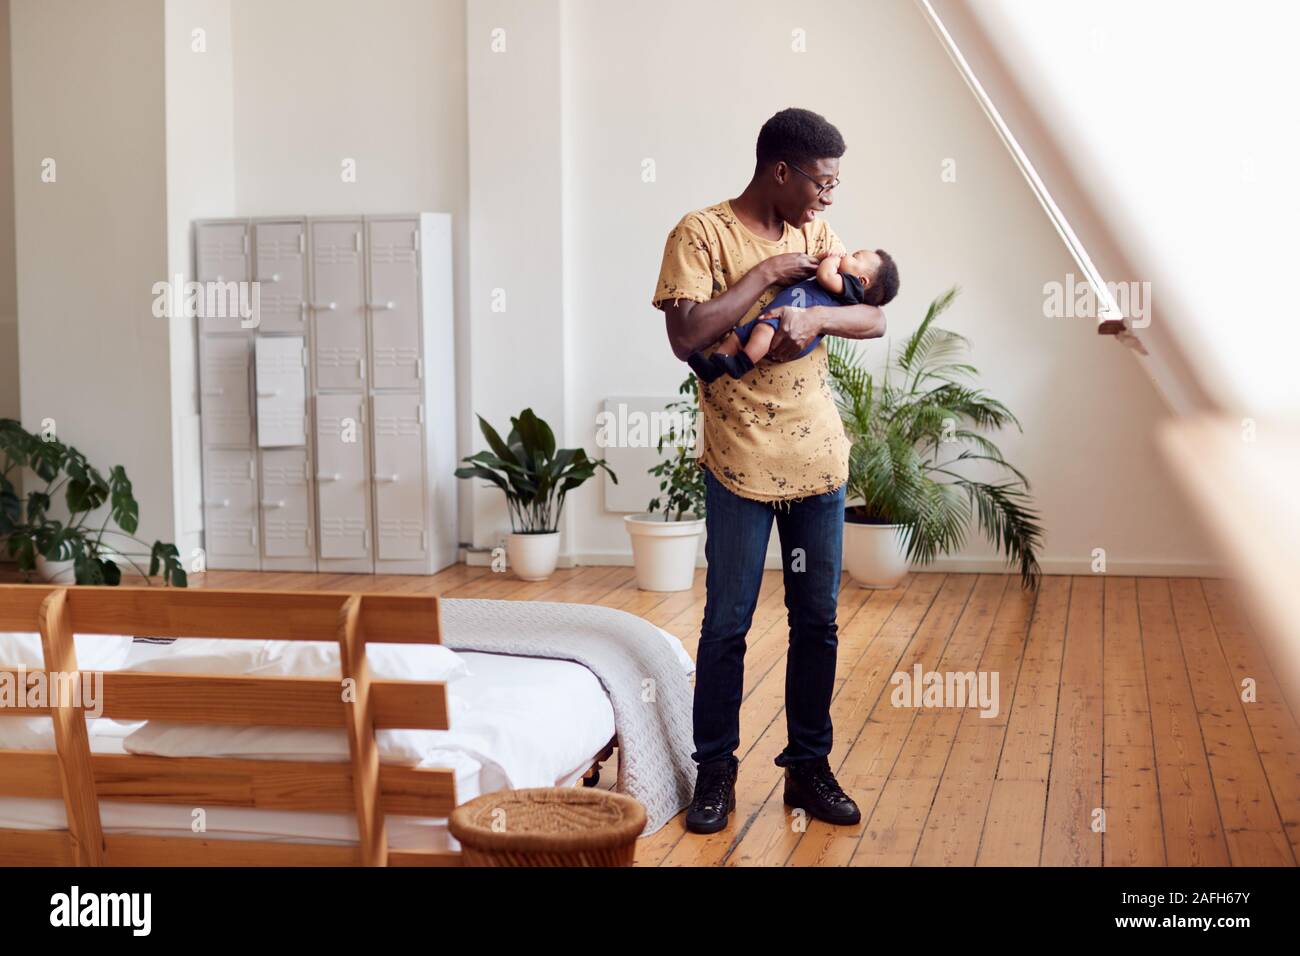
pixel 518 722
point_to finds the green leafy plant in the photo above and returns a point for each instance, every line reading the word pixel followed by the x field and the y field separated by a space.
pixel 533 474
pixel 27 528
pixel 914 431
pixel 680 474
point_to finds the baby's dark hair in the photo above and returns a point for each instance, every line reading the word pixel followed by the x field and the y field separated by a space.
pixel 884 286
pixel 799 137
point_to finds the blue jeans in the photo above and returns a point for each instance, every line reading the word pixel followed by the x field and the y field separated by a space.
pixel 811 531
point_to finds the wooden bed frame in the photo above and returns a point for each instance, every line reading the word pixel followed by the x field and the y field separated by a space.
pixel 363 786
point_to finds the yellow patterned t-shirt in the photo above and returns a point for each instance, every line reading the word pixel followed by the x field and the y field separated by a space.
pixel 774 434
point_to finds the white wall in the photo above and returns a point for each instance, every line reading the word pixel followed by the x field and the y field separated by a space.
pixel 320 81
pixel 1194 175
pixel 9 406
pixel 516 282
pixel 381 83
pixel 200 185
pixel 541 147
pixel 692 99
pixel 88 93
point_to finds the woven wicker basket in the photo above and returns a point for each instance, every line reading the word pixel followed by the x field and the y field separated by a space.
pixel 548 826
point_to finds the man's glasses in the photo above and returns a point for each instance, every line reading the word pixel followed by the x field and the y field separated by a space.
pixel 822 188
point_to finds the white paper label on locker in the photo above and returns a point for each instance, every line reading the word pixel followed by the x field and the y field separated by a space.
pixel 281 392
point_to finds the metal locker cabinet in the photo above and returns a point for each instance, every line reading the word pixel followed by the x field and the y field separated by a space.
pixel 286 510
pixel 221 256
pixel 224 362
pixel 338 304
pixel 230 508
pixel 343 482
pixel 283 487
pixel 281 256
pixel 399 477
pixel 394 303
pixel 281 391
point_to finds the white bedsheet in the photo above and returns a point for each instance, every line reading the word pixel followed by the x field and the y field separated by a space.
pixel 518 722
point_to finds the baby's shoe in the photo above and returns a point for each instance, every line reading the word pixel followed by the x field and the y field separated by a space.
pixel 706 368
pixel 735 365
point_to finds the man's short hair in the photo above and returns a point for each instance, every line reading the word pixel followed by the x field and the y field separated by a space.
pixel 884 286
pixel 798 136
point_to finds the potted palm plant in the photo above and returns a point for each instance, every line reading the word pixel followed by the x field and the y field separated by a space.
pixel 914 432
pixel 664 545
pixel 535 478
pixel 73 549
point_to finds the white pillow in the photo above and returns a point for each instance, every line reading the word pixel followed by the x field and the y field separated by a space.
pixel 203 655
pixel 423 662
pixel 26 733
pixel 414 662
pixel 95 652
pixel 37 733
pixel 168 739
pixel 196 655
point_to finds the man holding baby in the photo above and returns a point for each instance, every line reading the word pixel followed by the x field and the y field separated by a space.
pixel 773 448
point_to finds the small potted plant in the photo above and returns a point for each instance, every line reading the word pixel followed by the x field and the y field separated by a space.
pixel 535 478
pixel 664 545
pixel 912 433
pixel 72 550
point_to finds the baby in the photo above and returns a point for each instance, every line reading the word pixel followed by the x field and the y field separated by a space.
pixel 864 277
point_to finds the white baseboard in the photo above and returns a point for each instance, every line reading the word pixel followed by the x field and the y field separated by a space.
pixel 1083 566
pixel 1080 565
pixel 483 559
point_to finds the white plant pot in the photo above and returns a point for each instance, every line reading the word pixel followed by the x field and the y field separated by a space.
pixel 533 556
pixel 65 572
pixel 55 572
pixel 664 551
pixel 875 555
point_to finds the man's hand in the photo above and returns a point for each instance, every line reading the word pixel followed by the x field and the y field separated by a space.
pixel 798 327
pixel 789 267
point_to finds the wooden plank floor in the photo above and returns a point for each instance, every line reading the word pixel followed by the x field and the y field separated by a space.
pixel 1121 737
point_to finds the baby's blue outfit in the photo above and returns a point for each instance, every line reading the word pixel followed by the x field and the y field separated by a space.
pixel 801 295
pixel 805 295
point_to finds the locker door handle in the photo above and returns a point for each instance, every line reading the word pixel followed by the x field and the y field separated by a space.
pixel 268 392
pixel 214 392
pixel 326 306
pixel 275 277
pixel 332 476
pixel 386 479
pixel 388 306
pixel 223 503
pixel 273 504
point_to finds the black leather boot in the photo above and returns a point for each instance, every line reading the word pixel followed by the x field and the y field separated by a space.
pixel 715 797
pixel 810 785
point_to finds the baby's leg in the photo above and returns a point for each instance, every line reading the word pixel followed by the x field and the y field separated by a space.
pixel 730 345
pixel 759 339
